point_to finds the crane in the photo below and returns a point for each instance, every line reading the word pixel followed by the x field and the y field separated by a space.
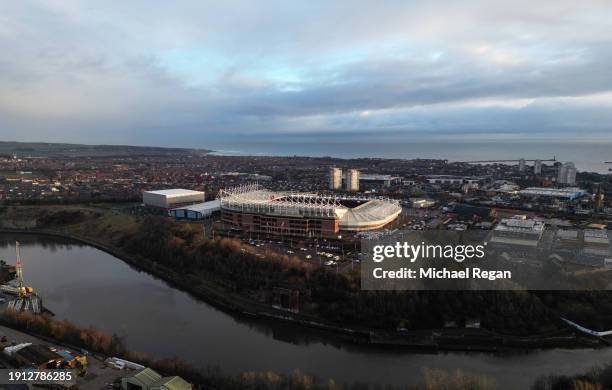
pixel 24 291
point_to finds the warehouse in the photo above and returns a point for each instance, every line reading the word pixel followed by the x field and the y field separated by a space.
pixel 378 180
pixel 196 211
pixel 147 379
pixel 569 193
pixel 172 198
pixel 518 230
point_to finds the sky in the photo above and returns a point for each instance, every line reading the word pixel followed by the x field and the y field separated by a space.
pixel 194 73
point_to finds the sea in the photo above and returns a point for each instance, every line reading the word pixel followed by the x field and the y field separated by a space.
pixel 588 156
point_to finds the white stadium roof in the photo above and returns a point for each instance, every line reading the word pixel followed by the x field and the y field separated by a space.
pixel 370 214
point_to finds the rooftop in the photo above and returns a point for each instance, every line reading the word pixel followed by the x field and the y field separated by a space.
pixel 377 177
pixel 37 354
pixel 147 376
pixel 568 192
pixel 520 225
pixel 173 383
pixel 202 207
pixel 175 192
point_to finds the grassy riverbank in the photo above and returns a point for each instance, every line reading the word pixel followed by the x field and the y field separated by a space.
pixel 220 272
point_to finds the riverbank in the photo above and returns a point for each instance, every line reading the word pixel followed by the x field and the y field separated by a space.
pixel 102 229
pixel 427 340
pixel 99 374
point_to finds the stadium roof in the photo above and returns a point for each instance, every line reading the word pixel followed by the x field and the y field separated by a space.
pixel 368 214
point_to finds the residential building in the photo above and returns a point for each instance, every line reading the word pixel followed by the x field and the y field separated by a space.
pixel 335 179
pixel 351 180
pixel 567 174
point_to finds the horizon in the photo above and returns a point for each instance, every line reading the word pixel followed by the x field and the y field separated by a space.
pixel 588 156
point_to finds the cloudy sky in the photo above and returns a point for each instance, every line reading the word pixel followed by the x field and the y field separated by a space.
pixel 191 73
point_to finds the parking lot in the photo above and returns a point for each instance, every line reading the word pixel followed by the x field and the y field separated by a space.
pixel 317 254
pixel 341 255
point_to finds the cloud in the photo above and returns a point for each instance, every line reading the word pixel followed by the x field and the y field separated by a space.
pixel 158 72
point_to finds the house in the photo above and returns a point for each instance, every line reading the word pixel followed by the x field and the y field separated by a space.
pixel 148 379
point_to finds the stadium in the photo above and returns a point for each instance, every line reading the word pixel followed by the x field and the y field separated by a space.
pixel 254 209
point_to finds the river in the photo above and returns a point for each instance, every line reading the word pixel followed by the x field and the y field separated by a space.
pixel 91 287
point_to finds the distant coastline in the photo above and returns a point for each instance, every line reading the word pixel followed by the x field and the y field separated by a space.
pixel 588 156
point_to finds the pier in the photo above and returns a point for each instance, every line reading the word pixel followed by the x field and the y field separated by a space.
pixel 554 159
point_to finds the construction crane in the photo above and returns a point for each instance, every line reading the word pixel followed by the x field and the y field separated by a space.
pixel 23 290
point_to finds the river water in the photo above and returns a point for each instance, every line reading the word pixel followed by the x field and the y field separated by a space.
pixel 91 287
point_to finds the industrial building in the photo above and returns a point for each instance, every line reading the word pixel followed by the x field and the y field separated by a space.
pixel 196 211
pixel 167 199
pixel 148 379
pixel 470 212
pixel 37 356
pixel 567 236
pixel 596 242
pixel 254 209
pixel 379 180
pixel 420 203
pixel 451 180
pixel 568 193
pixel 518 230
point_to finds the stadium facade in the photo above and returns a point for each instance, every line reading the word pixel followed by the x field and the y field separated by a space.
pixel 254 209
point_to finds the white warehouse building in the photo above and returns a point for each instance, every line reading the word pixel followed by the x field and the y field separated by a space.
pixel 167 199
pixel 196 211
